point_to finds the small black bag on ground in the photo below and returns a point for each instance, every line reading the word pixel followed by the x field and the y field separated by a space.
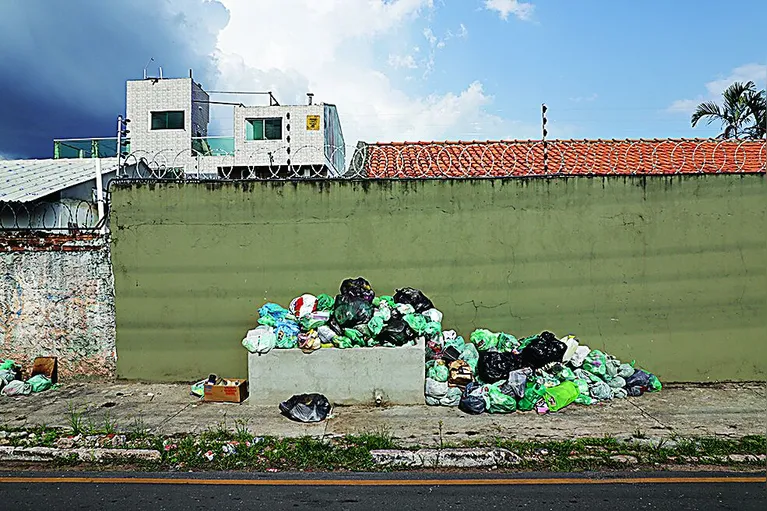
pixel 397 332
pixel 542 350
pixel 414 297
pixel 472 400
pixel 306 408
pixel 350 311
pixel 358 288
pixel 495 366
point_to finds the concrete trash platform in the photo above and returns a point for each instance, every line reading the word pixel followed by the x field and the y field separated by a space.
pixel 359 376
pixel 725 410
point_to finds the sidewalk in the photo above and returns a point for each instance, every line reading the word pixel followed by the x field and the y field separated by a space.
pixel 727 410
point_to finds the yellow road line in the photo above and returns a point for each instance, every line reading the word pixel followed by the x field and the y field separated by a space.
pixel 379 482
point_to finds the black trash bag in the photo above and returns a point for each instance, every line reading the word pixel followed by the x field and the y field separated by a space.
pixel 638 383
pixel 396 332
pixel 451 354
pixel 495 366
pixel 358 288
pixel 349 311
pixel 472 400
pixel 542 350
pixel 306 408
pixel 414 297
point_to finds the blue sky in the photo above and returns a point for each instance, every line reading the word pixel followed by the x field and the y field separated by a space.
pixel 397 69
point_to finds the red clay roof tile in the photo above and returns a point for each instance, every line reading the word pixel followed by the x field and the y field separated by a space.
pixel 565 157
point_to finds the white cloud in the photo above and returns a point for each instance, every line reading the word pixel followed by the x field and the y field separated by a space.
pixel 522 10
pixel 402 61
pixel 748 72
pixel 685 106
pixel 463 32
pixel 341 50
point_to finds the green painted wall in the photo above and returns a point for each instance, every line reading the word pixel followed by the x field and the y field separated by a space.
pixel 669 271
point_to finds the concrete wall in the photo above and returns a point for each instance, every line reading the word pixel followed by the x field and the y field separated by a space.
pixel 57 299
pixel 669 271
pixel 344 376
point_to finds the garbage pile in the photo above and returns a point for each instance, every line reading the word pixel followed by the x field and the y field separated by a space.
pixel 11 383
pixel 494 372
pixel 497 373
pixel 356 317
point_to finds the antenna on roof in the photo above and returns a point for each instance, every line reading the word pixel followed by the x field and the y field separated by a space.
pixel 147 65
pixel 544 132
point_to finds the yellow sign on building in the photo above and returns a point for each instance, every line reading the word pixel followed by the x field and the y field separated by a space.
pixel 313 122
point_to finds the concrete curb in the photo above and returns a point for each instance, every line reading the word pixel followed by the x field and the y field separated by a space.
pixel 445 458
pixel 83 454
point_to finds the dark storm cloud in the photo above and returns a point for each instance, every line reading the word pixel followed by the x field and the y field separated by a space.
pixel 63 64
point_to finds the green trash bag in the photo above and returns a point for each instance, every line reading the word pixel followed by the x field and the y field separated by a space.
pixel 416 322
pixel 437 370
pixel 470 355
pixel 533 393
pixel 566 374
pixel 625 370
pixel 484 339
pixel 456 341
pixel 596 363
pixel 601 391
pixel 560 396
pixel 506 342
pixel 527 340
pixel 655 384
pixel 376 324
pixel 547 380
pixel 325 302
pixel 432 330
pixel 583 392
pixel 611 367
pixel 355 336
pixel 498 402
pixel 312 321
pixel 342 342
pixel 39 383
pixel 10 365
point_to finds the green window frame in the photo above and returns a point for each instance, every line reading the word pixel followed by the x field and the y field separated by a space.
pixel 269 128
pixel 168 120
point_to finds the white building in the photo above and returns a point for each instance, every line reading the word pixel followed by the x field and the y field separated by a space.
pixel 169 121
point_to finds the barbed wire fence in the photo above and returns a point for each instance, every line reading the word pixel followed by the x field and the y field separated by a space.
pixel 456 160
pixel 393 161
pixel 72 216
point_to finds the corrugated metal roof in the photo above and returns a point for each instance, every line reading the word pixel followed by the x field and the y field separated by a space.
pixel 28 180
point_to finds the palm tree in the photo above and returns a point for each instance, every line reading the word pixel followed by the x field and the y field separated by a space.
pixel 742 114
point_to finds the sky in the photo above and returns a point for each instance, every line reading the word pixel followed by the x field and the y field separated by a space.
pixel 396 69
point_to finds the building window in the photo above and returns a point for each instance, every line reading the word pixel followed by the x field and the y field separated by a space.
pixel 172 120
pixel 263 129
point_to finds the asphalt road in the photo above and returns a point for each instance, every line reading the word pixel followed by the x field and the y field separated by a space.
pixel 187 492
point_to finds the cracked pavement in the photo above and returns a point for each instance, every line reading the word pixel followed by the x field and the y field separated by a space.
pixel 725 410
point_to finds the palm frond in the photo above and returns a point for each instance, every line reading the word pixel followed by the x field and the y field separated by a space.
pixel 709 110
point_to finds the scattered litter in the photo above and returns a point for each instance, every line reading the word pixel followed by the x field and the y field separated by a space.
pixel 306 408
pixel 17 388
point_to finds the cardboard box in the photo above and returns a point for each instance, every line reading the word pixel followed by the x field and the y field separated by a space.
pixel 223 393
pixel 47 366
